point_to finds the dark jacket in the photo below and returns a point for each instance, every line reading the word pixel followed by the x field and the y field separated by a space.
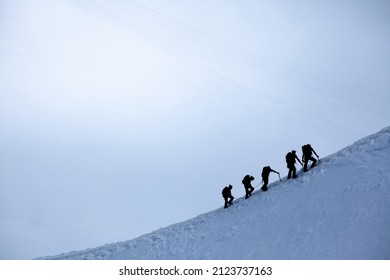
pixel 266 171
pixel 226 192
pixel 247 180
pixel 291 158
pixel 307 151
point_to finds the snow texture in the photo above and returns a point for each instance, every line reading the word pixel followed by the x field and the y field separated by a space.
pixel 340 209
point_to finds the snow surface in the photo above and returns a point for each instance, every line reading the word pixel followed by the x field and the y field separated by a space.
pixel 338 210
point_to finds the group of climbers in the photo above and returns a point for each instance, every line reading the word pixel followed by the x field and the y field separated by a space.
pixel 291 158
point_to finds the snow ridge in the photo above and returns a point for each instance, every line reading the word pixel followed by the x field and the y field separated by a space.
pixel 338 210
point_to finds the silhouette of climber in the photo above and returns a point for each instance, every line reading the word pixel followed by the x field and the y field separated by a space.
pixel 308 151
pixel 247 185
pixel 291 158
pixel 265 174
pixel 227 195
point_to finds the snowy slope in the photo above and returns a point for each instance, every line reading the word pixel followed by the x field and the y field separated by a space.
pixel 338 210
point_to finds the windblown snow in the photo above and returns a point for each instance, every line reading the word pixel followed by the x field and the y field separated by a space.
pixel 340 209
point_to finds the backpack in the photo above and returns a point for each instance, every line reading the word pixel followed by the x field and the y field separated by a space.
pixel 306 149
pixel 266 171
pixel 247 179
pixel 225 191
pixel 290 157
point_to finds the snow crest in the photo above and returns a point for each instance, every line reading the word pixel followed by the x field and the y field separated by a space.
pixel 338 210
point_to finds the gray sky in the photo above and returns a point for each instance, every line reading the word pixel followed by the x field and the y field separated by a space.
pixel 120 117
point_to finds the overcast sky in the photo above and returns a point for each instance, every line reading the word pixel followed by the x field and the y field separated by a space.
pixel 119 117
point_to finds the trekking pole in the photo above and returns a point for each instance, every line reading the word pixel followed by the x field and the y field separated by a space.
pixel 318 159
pixel 279 177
